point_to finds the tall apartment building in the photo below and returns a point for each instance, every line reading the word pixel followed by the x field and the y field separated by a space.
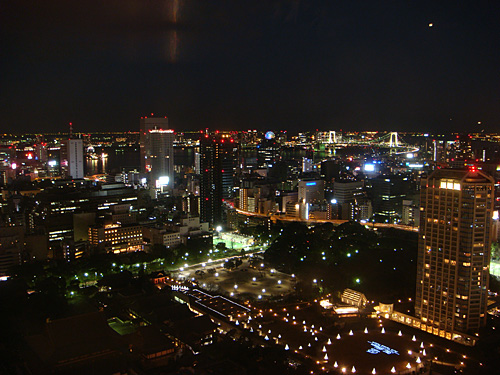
pixel 454 252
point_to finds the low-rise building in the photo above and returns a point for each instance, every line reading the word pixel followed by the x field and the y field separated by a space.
pixel 116 238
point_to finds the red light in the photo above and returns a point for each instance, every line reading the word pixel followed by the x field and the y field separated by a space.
pixel 223 171
pixel 232 140
pixel 152 114
pixel 222 141
pixel 206 199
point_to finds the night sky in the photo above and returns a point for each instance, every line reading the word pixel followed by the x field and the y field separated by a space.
pixel 261 64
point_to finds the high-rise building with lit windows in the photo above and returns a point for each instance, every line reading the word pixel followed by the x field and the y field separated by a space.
pixel 157 151
pixel 454 252
pixel 218 159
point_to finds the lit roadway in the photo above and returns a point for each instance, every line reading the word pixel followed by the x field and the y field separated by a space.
pixel 275 217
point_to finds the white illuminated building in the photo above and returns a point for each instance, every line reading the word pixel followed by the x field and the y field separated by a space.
pixel 157 152
pixel 75 158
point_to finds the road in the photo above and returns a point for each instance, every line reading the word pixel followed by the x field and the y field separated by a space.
pixel 274 217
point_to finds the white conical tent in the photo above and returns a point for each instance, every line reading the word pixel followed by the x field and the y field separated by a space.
pixel 353 370
pixel 338 336
pixel 329 342
pixel 366 330
pixel 335 364
pixel 324 349
pixel 400 334
pixel 393 370
pixel 351 333
pixel 374 371
pixel 326 357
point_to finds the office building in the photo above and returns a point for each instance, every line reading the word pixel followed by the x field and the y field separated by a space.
pixel 347 191
pixel 388 192
pixel 75 158
pixel 116 238
pixel 11 248
pixel 311 191
pixel 218 157
pixel 157 155
pixel 161 157
pixel 454 252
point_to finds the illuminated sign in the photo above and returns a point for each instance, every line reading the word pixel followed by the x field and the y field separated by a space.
pixel 369 167
pixel 379 348
pixel 162 181
pixel 310 183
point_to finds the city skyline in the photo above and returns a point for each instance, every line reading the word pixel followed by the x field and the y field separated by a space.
pixel 248 65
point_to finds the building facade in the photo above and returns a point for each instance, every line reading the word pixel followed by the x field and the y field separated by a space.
pixel 156 149
pixel 75 158
pixel 218 157
pixel 456 208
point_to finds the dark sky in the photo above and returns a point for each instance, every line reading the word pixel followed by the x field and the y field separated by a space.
pixel 243 64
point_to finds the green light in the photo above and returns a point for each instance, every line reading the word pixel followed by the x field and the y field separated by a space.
pixel 348 255
pixel 358 281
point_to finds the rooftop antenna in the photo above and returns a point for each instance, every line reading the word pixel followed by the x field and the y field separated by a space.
pixel 70 130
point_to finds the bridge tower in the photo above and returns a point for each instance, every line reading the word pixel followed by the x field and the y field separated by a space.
pixel 394 140
pixel 332 137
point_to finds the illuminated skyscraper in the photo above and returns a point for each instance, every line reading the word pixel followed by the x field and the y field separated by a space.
pixel 75 158
pixel 454 252
pixel 218 157
pixel 157 151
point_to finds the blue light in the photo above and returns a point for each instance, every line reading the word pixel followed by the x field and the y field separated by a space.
pixel 310 183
